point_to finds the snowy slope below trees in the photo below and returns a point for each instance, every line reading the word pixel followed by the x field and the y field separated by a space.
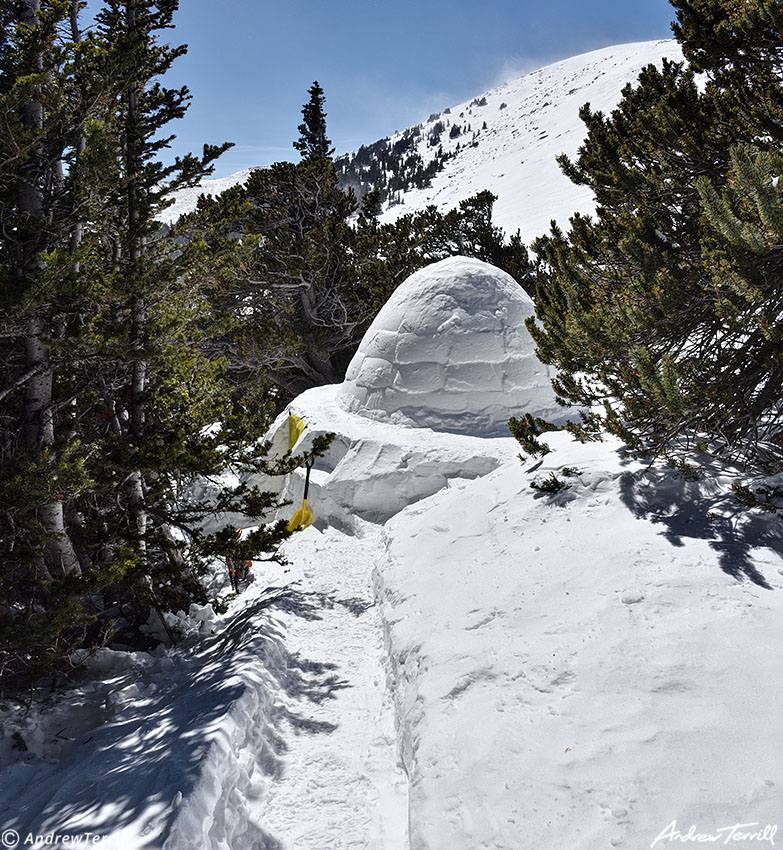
pixel 185 200
pixel 529 121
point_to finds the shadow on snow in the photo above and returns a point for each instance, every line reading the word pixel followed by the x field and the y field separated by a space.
pixel 125 774
pixel 701 509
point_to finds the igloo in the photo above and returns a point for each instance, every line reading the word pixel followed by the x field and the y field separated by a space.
pixel 450 351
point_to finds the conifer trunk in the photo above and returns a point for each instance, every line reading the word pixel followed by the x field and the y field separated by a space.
pixel 135 485
pixel 60 558
pixel 77 232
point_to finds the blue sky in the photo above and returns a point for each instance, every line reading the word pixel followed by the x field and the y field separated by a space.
pixel 383 65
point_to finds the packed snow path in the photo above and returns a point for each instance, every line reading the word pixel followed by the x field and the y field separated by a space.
pixel 335 783
pixel 275 733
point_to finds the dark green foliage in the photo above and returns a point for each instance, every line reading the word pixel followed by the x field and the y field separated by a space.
pixel 312 141
pixel 737 43
pixel 289 294
pixel 769 499
pixel 111 385
pixel 551 484
pixel 526 432
pixel 663 313
pixel 391 168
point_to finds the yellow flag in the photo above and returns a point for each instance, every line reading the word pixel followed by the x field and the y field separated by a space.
pixel 296 428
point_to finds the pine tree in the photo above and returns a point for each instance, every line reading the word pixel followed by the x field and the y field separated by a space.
pixel 312 141
pixel 42 463
pixel 32 186
pixel 165 401
pixel 112 403
pixel 663 308
pixel 294 311
pixel 737 43
pixel 468 230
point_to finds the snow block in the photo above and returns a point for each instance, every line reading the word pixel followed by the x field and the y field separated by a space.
pixel 450 351
pixel 373 470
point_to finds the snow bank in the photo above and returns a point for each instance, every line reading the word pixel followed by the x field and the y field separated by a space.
pixel 581 670
pixel 160 750
pixel 374 469
pixel 450 351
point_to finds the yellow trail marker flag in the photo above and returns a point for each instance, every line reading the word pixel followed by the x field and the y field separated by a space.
pixel 296 428
pixel 304 516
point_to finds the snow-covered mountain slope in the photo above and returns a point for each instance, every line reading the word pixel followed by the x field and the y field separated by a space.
pixel 505 140
pixel 529 121
pixel 185 199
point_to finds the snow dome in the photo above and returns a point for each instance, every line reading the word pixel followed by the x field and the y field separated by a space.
pixel 450 351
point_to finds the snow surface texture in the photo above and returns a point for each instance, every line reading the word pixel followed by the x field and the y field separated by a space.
pixel 262 736
pixel 530 120
pixel 581 670
pixel 450 351
pixel 569 671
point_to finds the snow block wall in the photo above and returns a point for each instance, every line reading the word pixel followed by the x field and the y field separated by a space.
pixel 450 351
pixel 373 470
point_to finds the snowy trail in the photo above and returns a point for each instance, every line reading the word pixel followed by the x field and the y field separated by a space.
pixel 276 733
pixel 337 783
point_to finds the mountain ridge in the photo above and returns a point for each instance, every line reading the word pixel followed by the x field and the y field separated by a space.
pixel 505 140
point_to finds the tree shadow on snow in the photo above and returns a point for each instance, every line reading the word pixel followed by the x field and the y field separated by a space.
pixel 241 683
pixel 310 604
pixel 701 509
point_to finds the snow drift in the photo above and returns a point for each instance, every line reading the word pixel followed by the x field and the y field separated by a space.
pixel 577 670
pixel 374 469
pixel 581 669
pixel 586 669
